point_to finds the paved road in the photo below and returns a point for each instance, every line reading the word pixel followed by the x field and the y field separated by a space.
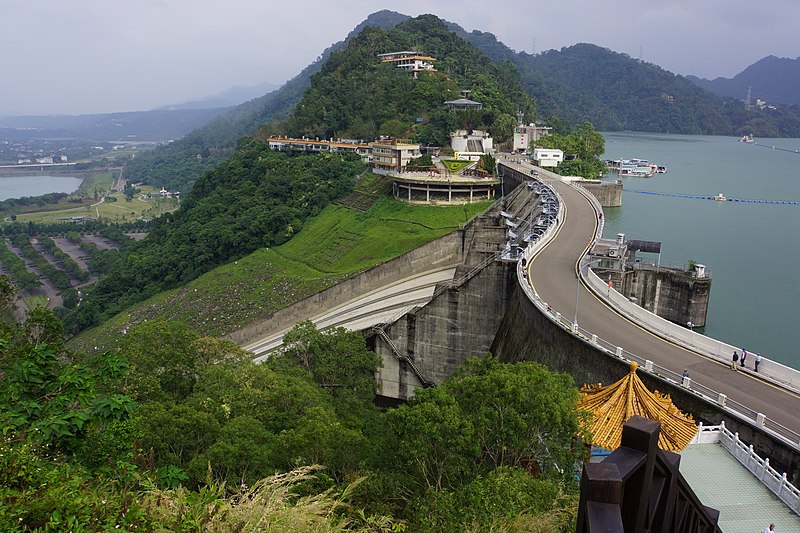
pixel 367 310
pixel 552 274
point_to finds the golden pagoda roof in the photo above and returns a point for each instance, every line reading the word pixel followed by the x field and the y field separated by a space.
pixel 613 405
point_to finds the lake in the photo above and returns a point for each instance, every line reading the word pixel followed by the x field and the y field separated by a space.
pixel 751 249
pixel 20 186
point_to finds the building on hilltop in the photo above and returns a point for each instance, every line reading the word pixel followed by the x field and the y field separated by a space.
pixel 409 60
pixel 286 144
pixel 392 156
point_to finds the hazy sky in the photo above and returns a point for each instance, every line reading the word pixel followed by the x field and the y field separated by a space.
pixel 98 56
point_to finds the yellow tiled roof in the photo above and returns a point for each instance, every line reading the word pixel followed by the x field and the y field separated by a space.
pixel 615 404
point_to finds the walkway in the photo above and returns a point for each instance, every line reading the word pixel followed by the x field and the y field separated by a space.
pixel 744 503
pixel 552 275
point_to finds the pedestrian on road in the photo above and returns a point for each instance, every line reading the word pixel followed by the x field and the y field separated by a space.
pixel 744 356
pixel 733 360
pixel 757 360
pixel 770 529
pixel 686 372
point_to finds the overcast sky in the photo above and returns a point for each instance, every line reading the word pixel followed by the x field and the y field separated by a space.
pixel 99 56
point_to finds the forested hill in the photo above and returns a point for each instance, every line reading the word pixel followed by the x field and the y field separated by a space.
pixel 179 164
pixel 357 96
pixel 585 82
pixel 259 198
pixel 773 79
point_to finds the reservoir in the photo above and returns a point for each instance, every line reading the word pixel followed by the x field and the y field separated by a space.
pixel 752 249
pixel 20 186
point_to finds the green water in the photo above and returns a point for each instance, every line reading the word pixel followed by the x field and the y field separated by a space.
pixel 752 250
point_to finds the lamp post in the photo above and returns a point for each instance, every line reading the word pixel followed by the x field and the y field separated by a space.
pixel 578 291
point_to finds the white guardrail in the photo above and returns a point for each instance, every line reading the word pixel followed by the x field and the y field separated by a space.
pixel 772 479
pixel 786 376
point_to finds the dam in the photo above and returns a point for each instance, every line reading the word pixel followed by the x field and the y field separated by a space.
pixel 541 302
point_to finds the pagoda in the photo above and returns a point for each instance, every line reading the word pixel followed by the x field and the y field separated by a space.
pixel 614 404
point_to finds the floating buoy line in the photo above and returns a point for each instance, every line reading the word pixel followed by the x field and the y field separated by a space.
pixel 773 147
pixel 718 198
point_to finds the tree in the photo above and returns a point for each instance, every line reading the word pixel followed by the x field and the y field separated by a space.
pixel 338 359
pixel 166 358
pixel 488 415
pixel 522 413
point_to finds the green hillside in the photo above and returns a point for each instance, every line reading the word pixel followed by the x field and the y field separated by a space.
pixel 334 245
pixel 259 198
pixel 613 91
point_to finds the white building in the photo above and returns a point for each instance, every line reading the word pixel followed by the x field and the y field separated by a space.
pixel 409 60
pixel 547 157
pixel 471 145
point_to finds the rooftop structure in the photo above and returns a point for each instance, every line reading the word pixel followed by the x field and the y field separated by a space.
pixel 409 60
pixel 639 487
pixel 614 404
pixel 728 475
pixel 462 104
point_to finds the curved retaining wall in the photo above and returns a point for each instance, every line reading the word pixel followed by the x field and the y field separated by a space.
pixel 444 252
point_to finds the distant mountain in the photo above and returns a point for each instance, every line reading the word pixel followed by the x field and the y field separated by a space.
pixel 615 92
pixel 161 125
pixel 773 79
pixel 177 165
pixel 229 98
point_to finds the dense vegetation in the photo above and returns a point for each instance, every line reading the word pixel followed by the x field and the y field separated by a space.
pixel 258 198
pixel 613 91
pixel 356 96
pixel 582 149
pixel 170 430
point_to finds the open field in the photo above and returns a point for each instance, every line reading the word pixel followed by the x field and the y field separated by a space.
pixel 331 247
pixel 109 211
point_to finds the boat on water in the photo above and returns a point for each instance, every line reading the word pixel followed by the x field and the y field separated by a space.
pixel 747 138
pixel 720 198
pixel 637 168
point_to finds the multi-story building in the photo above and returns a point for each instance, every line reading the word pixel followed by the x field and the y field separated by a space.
pixel 525 135
pixel 409 60
pixel 390 156
pixel 286 144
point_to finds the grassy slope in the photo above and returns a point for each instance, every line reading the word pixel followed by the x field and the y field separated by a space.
pixel 333 246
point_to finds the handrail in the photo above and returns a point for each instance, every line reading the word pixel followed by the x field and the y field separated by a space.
pixel 383 335
pixel 759 467
pixel 780 432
